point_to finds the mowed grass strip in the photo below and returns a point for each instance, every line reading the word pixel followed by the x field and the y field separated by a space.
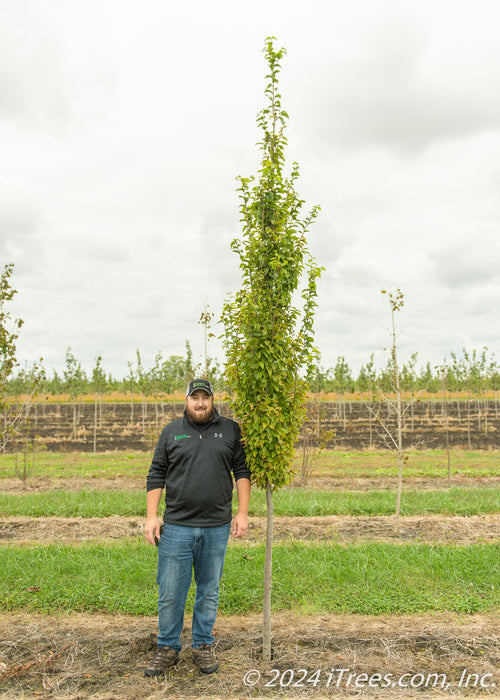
pixel 81 465
pixel 430 464
pixel 133 465
pixel 314 502
pixel 288 501
pixel 369 579
pixel 74 504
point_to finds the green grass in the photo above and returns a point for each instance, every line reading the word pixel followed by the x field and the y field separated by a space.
pixel 308 577
pixel 74 504
pixel 359 464
pixel 369 579
pixel 82 465
pixel 314 502
pixel 430 464
pixel 288 501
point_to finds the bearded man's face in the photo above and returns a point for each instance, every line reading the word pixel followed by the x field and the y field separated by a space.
pixel 200 407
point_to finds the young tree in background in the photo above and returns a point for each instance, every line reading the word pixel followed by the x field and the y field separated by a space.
pixel 396 301
pixel 205 320
pixel 367 382
pixel 443 373
pixel 188 365
pixel 389 387
pixel 131 379
pixel 268 340
pixel 144 386
pixel 74 379
pixel 343 383
pixel 14 416
pixel 99 386
pixel 494 381
pixel 156 383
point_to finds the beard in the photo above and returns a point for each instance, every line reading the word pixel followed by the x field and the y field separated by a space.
pixel 200 416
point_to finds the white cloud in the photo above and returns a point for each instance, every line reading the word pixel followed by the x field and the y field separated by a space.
pixel 123 126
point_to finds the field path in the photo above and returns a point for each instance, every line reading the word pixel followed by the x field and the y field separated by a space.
pixel 346 529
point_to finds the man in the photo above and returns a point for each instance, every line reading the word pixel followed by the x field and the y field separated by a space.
pixel 195 460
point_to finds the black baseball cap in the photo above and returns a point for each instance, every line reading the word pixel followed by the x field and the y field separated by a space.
pixel 202 384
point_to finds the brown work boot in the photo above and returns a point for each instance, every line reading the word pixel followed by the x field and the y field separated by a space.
pixel 204 658
pixel 165 657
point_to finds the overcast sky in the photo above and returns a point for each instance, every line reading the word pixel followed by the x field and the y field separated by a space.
pixel 123 127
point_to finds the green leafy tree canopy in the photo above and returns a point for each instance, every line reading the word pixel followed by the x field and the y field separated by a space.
pixel 268 339
pixel 8 331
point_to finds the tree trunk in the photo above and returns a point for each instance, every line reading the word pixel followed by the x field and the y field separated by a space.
pixel 468 421
pixel 447 428
pixel 400 454
pixel 268 568
pixel 95 423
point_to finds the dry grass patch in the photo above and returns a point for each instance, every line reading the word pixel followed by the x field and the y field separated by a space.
pixel 103 657
pixel 460 530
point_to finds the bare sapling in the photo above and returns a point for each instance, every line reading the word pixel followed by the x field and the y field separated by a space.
pixel 313 438
pixel 25 456
pixel 394 402
pixel 74 379
pixel 99 386
pixel 443 372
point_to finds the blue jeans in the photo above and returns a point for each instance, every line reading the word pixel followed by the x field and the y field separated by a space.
pixel 181 550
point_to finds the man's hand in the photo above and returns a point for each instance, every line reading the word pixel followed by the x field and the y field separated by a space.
pixel 240 525
pixel 152 529
pixel 152 525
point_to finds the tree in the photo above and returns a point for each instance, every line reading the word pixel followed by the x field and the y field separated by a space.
pixel 443 373
pixel 205 320
pixel 268 340
pixel 393 376
pixel 99 386
pixel 397 301
pixel 342 382
pixel 14 417
pixel 367 381
pixel 74 379
pixel 131 380
pixel 494 381
pixel 144 386
pixel 188 365
pixel 408 380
